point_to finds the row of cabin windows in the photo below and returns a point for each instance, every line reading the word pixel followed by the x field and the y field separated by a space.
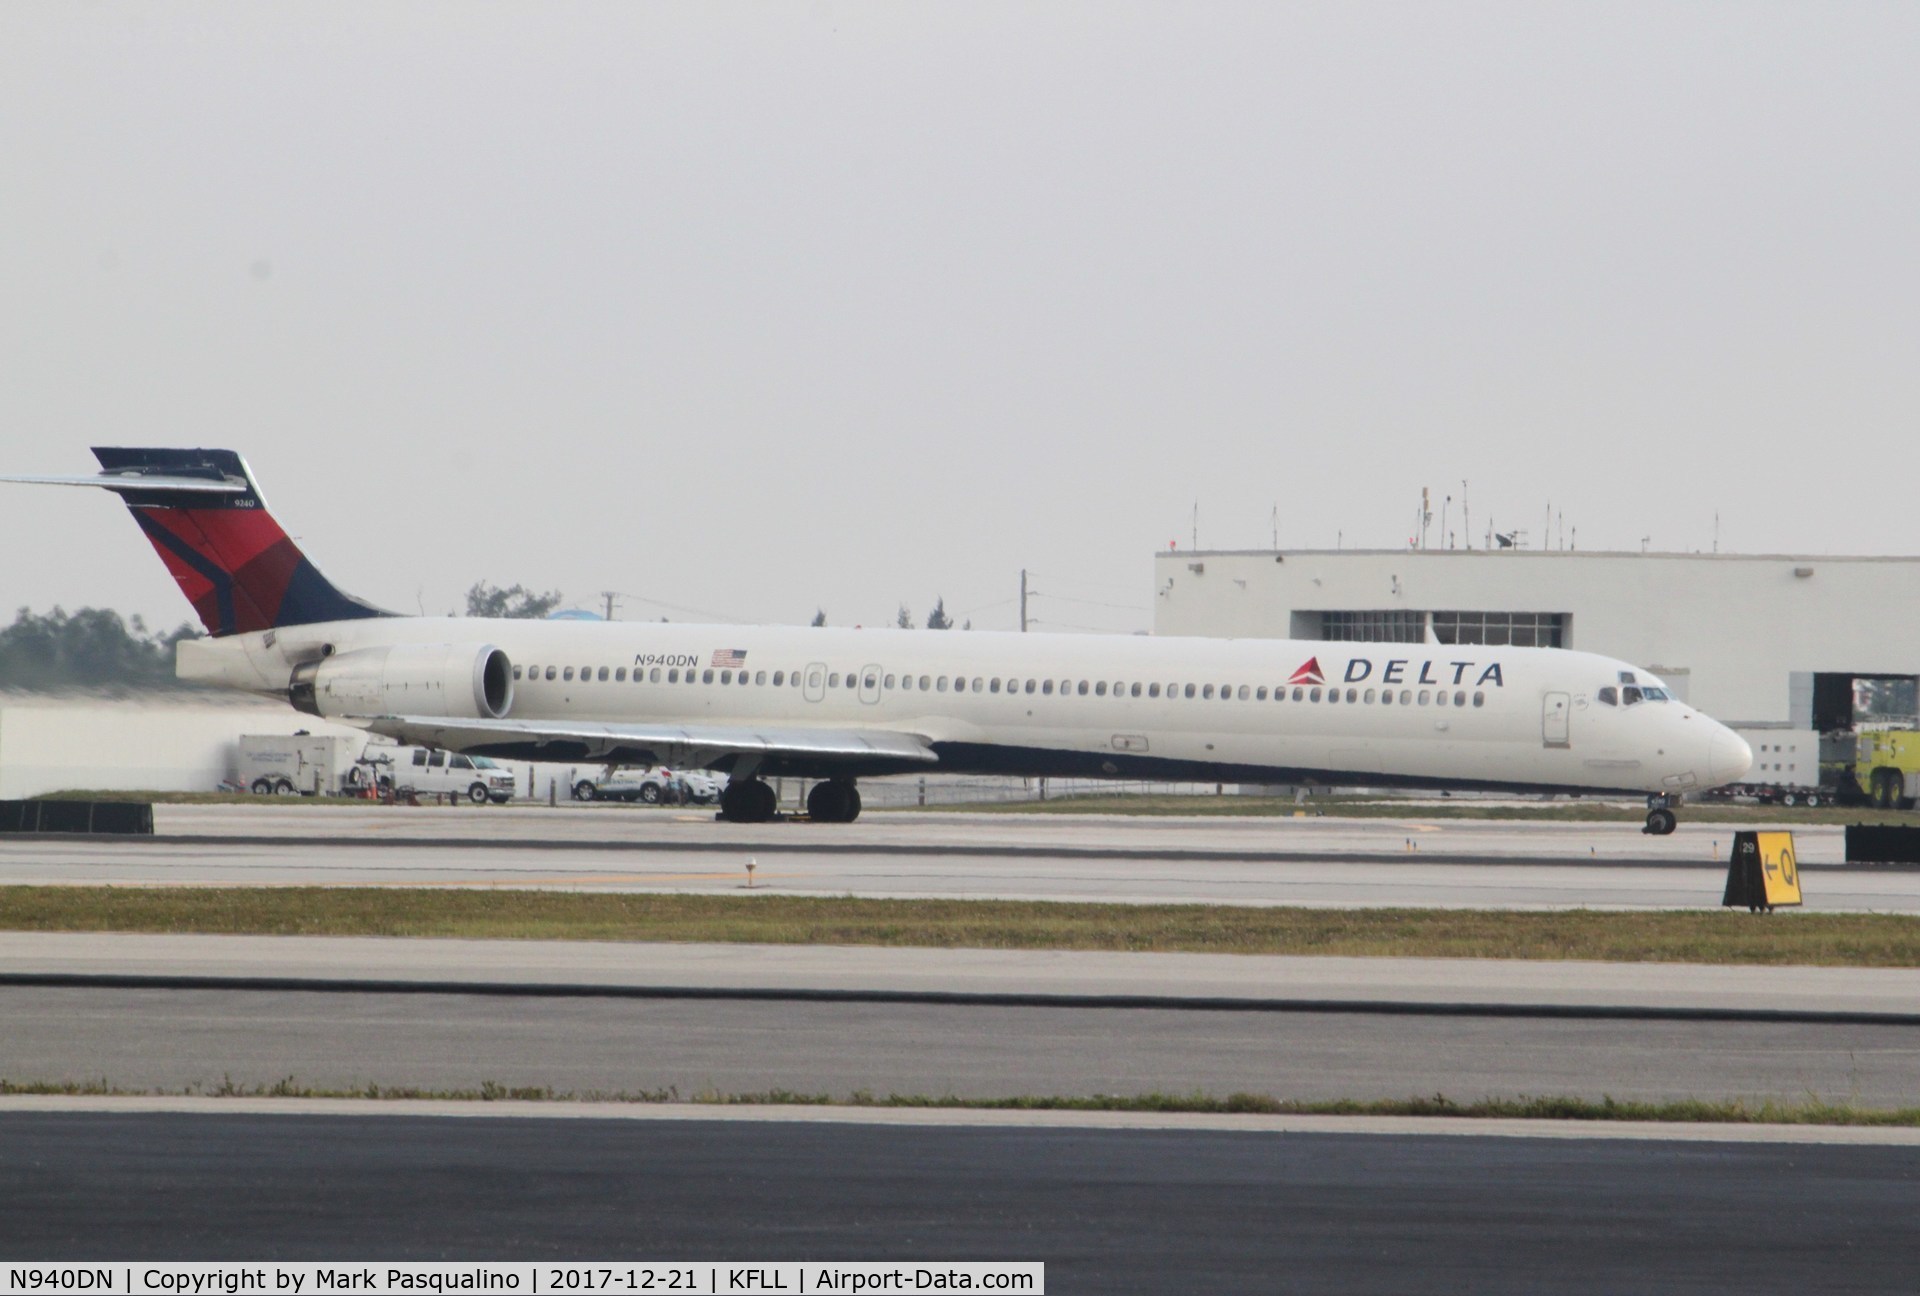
pixel 1043 687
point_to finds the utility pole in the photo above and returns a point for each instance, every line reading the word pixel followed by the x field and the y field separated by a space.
pixel 1023 600
pixel 608 595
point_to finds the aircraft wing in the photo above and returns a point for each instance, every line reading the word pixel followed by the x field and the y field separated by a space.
pixel 657 744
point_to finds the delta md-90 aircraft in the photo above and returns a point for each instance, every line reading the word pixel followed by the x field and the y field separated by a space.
pixel 838 705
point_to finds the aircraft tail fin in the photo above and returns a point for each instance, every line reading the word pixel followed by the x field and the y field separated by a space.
pixel 203 514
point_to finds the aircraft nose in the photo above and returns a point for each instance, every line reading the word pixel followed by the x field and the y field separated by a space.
pixel 1728 758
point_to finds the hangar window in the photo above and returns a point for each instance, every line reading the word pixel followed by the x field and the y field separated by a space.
pixel 568 674
pixel 603 674
pixel 1521 629
pixel 1394 625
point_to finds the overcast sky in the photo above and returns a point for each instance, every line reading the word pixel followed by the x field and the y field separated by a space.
pixel 758 309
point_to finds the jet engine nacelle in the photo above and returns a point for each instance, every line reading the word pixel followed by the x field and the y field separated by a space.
pixel 456 681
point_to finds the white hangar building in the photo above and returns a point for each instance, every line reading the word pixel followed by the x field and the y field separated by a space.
pixel 1756 641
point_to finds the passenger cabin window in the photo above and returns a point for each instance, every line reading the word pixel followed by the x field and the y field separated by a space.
pixel 1030 686
pixel 1081 688
pixel 726 677
pixel 778 679
pixel 759 677
pixel 568 674
pixel 602 677
pixel 887 682
pixel 1100 689
pixel 620 675
pixel 653 676
pixel 516 672
pixel 924 681
pixel 1188 691
pixel 833 680
pixel 1046 688
pixel 1153 690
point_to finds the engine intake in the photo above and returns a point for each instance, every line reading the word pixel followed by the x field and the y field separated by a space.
pixel 455 681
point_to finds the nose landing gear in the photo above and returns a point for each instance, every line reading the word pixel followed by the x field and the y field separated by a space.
pixel 1660 817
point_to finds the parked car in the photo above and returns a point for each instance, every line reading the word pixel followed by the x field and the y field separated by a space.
pixel 652 787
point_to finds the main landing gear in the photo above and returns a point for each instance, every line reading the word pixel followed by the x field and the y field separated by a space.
pixel 835 801
pixel 1660 817
pixel 750 800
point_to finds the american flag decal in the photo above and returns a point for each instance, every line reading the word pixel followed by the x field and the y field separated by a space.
pixel 729 657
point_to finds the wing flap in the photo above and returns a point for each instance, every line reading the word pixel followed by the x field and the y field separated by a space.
pixel 663 743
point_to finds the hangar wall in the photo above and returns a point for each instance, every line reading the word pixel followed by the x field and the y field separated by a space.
pixel 1731 632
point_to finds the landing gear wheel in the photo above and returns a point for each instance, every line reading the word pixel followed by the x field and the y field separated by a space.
pixel 584 790
pixel 748 801
pixel 477 794
pixel 1661 822
pixel 835 801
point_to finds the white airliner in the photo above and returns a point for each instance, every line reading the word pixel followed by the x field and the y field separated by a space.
pixel 836 705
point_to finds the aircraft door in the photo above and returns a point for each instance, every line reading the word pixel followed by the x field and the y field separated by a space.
pixel 869 685
pixel 815 686
pixel 1553 721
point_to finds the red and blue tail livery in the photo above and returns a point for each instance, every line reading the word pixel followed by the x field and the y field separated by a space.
pixel 204 515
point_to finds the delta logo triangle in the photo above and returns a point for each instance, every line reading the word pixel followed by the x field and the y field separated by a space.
pixel 1309 673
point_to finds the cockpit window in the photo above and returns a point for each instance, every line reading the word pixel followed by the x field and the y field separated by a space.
pixel 1608 696
pixel 1656 695
pixel 1629 695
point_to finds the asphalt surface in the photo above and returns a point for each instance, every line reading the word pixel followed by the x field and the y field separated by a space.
pixel 142 1040
pixel 1307 861
pixel 1105 1210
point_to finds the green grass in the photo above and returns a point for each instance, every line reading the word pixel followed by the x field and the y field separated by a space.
pixel 1706 935
pixel 1346 807
pixel 1725 1111
pixel 195 798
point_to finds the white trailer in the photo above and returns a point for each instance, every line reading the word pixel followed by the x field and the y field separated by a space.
pixel 1786 768
pixel 295 764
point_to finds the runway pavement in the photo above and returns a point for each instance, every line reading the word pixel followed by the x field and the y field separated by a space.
pixel 1107 1210
pixel 1325 862
pixel 177 1012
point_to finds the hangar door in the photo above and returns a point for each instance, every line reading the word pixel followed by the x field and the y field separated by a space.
pixel 1553 720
